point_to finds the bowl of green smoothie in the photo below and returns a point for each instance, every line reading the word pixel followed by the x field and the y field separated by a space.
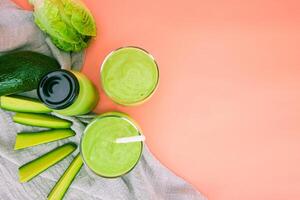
pixel 129 75
pixel 100 151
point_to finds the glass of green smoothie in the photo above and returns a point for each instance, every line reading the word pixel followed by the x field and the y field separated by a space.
pixel 129 75
pixel 100 149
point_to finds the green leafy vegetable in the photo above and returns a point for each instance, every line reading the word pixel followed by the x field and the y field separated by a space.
pixel 69 23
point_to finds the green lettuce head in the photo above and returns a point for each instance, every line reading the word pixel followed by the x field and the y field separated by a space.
pixel 69 23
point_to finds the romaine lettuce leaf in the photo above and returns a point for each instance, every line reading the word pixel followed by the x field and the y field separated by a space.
pixel 69 23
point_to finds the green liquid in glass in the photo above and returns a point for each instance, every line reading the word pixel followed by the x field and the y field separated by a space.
pixel 102 154
pixel 129 75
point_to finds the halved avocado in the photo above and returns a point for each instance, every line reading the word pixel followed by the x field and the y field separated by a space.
pixel 37 166
pixel 22 104
pixel 29 139
pixel 61 187
pixel 41 120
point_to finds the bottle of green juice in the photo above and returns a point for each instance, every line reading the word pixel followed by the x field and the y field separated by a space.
pixel 68 93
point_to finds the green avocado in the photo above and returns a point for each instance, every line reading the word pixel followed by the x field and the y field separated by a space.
pixel 41 120
pixel 21 71
pixel 29 139
pixel 37 166
pixel 22 104
pixel 61 187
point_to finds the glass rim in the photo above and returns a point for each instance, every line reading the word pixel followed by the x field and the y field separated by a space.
pixel 152 91
pixel 106 116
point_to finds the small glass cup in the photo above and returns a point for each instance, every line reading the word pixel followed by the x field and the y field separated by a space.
pixel 125 73
pixel 98 156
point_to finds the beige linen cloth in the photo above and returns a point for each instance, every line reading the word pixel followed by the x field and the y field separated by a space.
pixel 150 180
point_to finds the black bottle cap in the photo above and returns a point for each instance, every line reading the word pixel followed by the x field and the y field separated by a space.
pixel 58 89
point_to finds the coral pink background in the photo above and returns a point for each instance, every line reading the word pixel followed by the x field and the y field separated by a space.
pixel 226 116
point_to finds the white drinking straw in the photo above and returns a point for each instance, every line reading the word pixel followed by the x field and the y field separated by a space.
pixel 139 138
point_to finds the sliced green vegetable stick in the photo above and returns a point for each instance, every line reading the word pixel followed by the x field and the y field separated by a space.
pixel 61 187
pixel 37 166
pixel 22 104
pixel 41 120
pixel 29 139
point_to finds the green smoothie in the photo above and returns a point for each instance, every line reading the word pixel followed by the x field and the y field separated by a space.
pixel 129 75
pixel 100 151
